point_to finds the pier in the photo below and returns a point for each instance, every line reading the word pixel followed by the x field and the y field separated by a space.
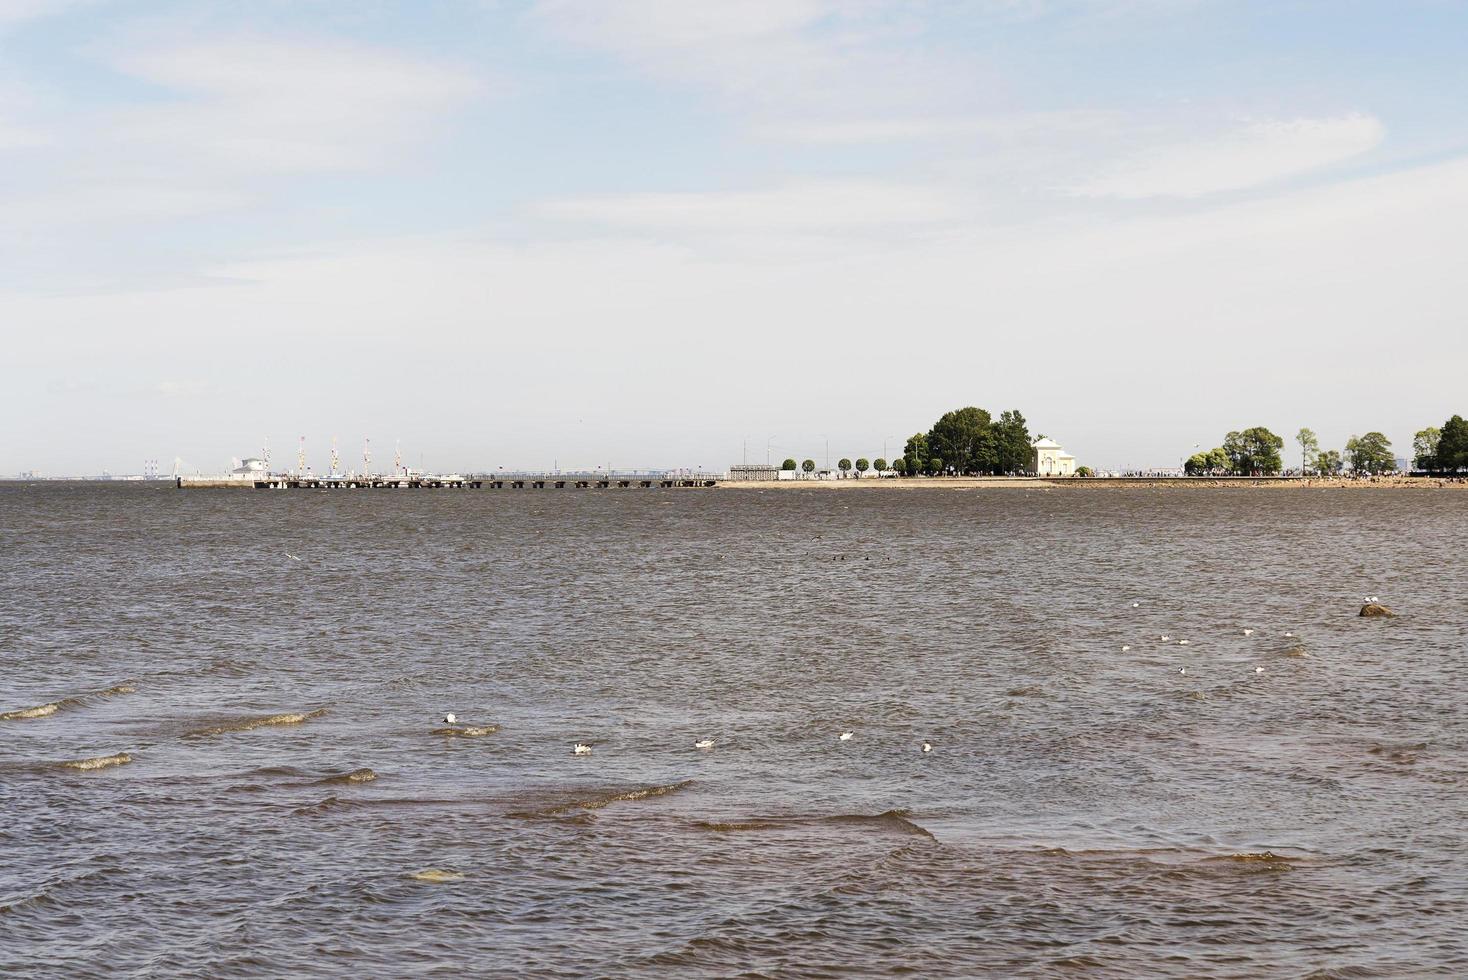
pixel 516 481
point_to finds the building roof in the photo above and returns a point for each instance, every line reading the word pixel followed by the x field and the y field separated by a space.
pixel 1044 443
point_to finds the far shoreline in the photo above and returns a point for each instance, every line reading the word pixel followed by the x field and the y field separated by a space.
pixel 1105 483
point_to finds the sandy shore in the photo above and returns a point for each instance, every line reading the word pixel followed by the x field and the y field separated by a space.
pixel 1100 483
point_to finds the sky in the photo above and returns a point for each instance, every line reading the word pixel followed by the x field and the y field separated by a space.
pixel 673 233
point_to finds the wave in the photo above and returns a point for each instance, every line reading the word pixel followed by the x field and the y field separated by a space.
pixel 890 821
pixel 355 776
pixel 76 701
pixel 437 876
pixel 250 724
pixel 99 762
pixel 467 731
pixel 599 801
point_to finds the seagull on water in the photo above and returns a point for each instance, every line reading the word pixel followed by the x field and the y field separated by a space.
pixel 291 556
pixel 704 743
pixel 450 719
pixel 1124 648
pixel 1136 605
pixel 1165 637
pixel 1182 670
pixel 581 748
pixel 1182 643
pixel 1289 634
pixel 1258 670
pixel 927 747
pixel 847 736
pixel 1248 632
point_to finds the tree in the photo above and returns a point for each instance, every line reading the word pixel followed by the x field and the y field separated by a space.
pixel 899 466
pixel 1212 461
pixel 1309 447
pixel 964 438
pixel 1328 463
pixel 1253 451
pixel 1371 453
pixel 862 465
pixel 789 464
pixel 844 464
pixel 1012 443
pixel 916 454
pixel 1452 446
pixel 1424 448
pixel 1083 471
pixel 935 465
pixel 879 464
pixel 808 466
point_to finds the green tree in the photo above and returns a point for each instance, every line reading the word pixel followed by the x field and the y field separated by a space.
pixel 936 465
pixel 1083 471
pixel 1329 463
pixel 789 464
pixel 916 454
pixel 862 464
pixel 1452 445
pixel 1309 447
pixel 1371 453
pixel 1253 451
pixel 964 439
pixel 808 466
pixel 844 464
pixel 1213 461
pixel 1012 443
pixel 1424 448
pixel 899 466
pixel 879 464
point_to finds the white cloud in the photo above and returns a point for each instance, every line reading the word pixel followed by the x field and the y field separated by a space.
pixel 274 105
pixel 812 206
pixel 918 128
pixel 1253 155
pixel 18 11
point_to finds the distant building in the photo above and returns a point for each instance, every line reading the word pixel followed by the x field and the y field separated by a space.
pixel 753 471
pixel 1047 458
pixel 249 469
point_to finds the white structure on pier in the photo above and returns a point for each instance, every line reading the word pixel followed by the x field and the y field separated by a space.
pixel 1047 458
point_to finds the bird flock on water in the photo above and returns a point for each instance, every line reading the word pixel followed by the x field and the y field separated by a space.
pixel 584 748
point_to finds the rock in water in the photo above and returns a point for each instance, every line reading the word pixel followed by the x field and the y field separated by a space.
pixel 1376 609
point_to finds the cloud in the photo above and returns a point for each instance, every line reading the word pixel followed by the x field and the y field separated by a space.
pixel 811 206
pixel 1256 154
pixel 773 57
pixel 928 128
pixel 18 11
pixel 274 105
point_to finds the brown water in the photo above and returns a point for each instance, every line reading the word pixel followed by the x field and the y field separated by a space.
pixel 1084 811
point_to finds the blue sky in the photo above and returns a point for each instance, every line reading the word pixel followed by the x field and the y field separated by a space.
pixel 512 233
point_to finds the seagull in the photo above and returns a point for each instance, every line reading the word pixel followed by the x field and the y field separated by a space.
pixel 1182 670
pixel 1182 643
pixel 704 743
pixel 581 748
pixel 1258 670
pixel 1136 605
pixel 847 736
pixel 1289 634
pixel 1124 648
pixel 1165 637
pixel 450 719
pixel 1371 598
pixel 927 747
pixel 1248 632
pixel 291 556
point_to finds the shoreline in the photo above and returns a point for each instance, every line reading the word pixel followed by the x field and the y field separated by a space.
pixel 1106 483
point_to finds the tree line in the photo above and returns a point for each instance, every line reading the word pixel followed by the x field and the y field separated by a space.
pixel 969 441
pixel 966 441
pixel 1257 452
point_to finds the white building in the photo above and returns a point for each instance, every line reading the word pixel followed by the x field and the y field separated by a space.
pixel 249 469
pixel 1047 458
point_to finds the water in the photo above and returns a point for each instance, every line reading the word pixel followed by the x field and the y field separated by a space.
pixel 1085 810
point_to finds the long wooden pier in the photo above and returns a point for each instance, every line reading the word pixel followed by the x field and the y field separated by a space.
pixel 518 481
